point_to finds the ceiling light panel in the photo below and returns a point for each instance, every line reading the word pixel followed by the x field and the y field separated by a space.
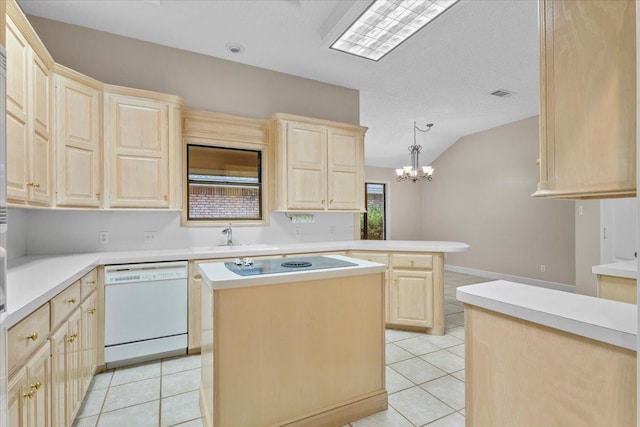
pixel 386 24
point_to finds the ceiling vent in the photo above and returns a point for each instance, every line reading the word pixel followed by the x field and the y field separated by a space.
pixel 502 93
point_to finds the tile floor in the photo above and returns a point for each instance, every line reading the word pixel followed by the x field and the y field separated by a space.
pixel 425 381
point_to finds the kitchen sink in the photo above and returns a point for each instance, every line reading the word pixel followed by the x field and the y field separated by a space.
pixel 233 248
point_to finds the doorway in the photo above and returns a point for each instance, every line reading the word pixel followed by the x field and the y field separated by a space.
pixel 373 222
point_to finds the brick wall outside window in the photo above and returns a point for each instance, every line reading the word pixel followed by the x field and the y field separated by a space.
pixel 223 202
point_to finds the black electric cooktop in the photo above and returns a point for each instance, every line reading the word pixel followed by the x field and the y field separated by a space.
pixel 286 265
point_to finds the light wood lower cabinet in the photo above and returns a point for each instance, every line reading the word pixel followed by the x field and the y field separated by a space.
pixel 66 371
pixel 617 288
pixel 89 340
pixel 29 392
pixel 411 298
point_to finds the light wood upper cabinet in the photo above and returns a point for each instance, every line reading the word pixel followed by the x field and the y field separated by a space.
pixel 139 136
pixel 319 164
pixel 587 99
pixel 78 118
pixel 29 112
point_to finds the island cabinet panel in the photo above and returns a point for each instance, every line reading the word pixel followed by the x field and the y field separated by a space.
pixel 524 374
pixel 381 258
pixel 587 99
pixel 309 353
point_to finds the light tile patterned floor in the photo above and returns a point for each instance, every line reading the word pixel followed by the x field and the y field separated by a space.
pixel 425 382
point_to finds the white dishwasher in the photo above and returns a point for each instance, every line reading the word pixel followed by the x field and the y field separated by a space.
pixel 146 313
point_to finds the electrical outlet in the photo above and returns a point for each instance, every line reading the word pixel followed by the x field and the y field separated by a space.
pixel 103 237
pixel 150 236
pixel 543 268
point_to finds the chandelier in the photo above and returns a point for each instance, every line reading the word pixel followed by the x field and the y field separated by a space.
pixel 414 173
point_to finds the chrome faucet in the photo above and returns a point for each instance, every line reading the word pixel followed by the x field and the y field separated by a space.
pixel 229 232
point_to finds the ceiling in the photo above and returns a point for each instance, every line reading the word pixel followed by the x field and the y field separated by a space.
pixel 444 74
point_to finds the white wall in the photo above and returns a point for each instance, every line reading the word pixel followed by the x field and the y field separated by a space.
pixel 65 231
pixel 17 233
pixel 481 195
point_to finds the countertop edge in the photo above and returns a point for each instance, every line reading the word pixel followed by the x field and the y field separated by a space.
pixel 624 269
pixel 94 259
pixel 607 334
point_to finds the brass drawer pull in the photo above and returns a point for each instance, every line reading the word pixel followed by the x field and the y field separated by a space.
pixel 91 311
pixel 29 394
pixel 91 283
pixel 197 277
pixel 36 386
pixel 72 338
pixel 70 301
pixel 32 337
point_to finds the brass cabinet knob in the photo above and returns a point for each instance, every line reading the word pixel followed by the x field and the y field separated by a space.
pixel 98 195
pixel 197 277
pixel 33 184
pixel 412 263
pixel 32 337
pixel 37 185
pixel 70 301
pixel 71 338
pixel 36 385
pixel 29 394
pixel 538 162
pixel 91 283
pixel 91 311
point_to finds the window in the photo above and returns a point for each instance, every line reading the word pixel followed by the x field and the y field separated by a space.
pixel 373 221
pixel 223 184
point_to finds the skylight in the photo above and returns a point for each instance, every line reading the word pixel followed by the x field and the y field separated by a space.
pixel 386 24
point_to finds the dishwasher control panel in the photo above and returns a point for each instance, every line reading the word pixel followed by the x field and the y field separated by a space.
pixel 148 272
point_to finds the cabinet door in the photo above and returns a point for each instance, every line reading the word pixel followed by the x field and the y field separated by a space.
pixel 78 122
pixel 17 113
pixel 195 309
pixel 587 99
pixel 39 374
pixel 306 170
pixel 73 367
pixel 345 181
pixel 40 150
pixel 17 399
pixel 137 137
pixel 411 298
pixel 66 371
pixel 88 341
pixel 58 375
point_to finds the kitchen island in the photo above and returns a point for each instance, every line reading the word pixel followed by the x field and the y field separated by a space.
pixel 304 347
pixel 541 357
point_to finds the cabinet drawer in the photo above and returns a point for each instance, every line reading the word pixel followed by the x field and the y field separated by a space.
pixel 88 284
pixel 371 256
pixel 27 335
pixel 424 262
pixel 64 303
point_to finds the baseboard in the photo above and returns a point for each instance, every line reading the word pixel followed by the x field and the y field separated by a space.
pixel 345 414
pixel 509 277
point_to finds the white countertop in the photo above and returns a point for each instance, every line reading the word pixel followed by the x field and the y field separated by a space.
pixel 218 277
pixel 34 280
pixel 600 319
pixel 626 269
